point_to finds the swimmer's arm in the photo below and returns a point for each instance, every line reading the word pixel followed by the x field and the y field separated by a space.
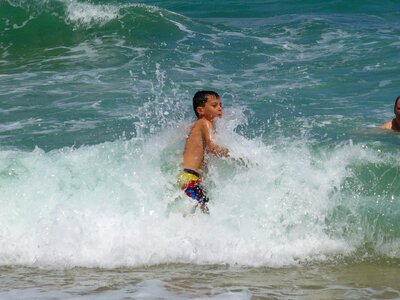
pixel 210 145
pixel 387 125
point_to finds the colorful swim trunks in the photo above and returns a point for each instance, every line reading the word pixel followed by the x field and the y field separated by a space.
pixel 190 182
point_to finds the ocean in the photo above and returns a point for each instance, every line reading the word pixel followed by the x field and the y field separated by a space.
pixel 95 105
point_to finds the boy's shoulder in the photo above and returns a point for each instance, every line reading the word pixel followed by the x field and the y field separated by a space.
pixel 200 127
pixel 202 123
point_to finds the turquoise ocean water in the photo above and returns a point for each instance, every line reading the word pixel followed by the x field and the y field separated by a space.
pixel 95 104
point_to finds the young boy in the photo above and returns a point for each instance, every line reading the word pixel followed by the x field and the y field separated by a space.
pixel 394 124
pixel 207 106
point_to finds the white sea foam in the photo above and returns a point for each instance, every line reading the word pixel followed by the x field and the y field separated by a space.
pixel 86 13
pixel 10 126
pixel 105 205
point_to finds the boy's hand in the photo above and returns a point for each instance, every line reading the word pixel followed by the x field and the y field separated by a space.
pixel 243 161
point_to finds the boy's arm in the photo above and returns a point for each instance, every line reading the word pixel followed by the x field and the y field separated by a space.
pixel 210 145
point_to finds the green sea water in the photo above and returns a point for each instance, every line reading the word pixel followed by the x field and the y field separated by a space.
pixel 95 104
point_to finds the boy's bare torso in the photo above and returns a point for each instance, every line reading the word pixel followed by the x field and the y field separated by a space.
pixel 198 142
pixel 193 154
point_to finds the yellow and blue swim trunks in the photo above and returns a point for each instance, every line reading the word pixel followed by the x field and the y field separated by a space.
pixel 190 182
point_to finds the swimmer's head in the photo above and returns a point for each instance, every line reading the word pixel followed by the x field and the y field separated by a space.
pixel 397 107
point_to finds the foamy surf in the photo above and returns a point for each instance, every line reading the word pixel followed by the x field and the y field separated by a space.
pixel 106 205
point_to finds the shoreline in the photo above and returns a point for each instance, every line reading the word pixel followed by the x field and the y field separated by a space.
pixel 308 281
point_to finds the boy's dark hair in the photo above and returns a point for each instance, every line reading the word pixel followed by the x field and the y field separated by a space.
pixel 200 99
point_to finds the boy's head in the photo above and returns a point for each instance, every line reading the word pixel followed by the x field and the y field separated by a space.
pixel 200 99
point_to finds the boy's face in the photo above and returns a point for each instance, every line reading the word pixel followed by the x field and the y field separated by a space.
pixel 212 108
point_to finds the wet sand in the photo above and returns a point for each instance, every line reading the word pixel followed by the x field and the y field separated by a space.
pixel 365 280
